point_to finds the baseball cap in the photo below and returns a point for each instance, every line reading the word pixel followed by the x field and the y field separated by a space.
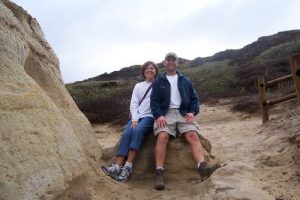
pixel 171 54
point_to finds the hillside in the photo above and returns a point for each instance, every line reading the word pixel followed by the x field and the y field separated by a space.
pixel 225 74
pixel 126 73
pixel 270 46
pixel 273 48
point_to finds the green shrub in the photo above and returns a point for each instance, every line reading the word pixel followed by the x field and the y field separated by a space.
pixel 213 80
pixel 107 109
pixel 102 102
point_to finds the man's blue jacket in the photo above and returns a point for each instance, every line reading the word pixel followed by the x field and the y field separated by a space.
pixel 161 96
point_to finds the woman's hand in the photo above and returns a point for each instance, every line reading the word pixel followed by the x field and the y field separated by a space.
pixel 161 122
pixel 134 124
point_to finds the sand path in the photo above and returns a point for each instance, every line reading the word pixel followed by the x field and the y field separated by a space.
pixel 239 144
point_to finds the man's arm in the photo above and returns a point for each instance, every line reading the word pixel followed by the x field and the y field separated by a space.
pixel 194 107
pixel 194 104
pixel 155 101
pixel 155 105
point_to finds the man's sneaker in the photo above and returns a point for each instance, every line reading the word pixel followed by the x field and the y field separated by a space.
pixel 111 171
pixel 125 173
pixel 205 170
pixel 159 184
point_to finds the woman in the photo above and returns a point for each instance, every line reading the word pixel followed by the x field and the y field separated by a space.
pixel 140 124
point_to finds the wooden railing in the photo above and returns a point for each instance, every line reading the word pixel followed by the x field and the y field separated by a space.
pixel 263 86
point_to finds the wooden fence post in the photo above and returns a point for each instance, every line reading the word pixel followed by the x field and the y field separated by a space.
pixel 263 99
pixel 295 65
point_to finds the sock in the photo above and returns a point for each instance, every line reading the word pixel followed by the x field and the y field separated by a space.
pixel 200 163
pixel 128 164
pixel 160 168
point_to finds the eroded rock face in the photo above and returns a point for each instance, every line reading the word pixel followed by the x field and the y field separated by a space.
pixel 46 142
pixel 179 157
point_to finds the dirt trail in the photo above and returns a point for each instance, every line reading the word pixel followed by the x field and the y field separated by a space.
pixel 235 138
pixel 258 160
pixel 249 170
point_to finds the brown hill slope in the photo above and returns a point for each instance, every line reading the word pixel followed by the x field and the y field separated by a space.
pixel 276 48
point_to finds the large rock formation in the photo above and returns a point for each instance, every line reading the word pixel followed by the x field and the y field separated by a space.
pixel 46 142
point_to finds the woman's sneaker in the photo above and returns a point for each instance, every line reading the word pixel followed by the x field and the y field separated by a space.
pixel 112 171
pixel 125 173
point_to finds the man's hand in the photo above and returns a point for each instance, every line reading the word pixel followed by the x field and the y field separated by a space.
pixel 161 122
pixel 134 124
pixel 190 118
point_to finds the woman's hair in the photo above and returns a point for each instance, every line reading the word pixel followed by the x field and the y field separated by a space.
pixel 146 64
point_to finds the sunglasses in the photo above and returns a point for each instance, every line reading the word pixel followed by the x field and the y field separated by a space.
pixel 171 58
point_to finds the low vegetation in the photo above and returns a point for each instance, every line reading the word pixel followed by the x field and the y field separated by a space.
pixel 103 101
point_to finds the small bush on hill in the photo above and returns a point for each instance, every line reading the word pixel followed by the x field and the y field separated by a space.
pixel 247 104
pixel 107 109
pixel 103 101
pixel 214 80
pixel 248 73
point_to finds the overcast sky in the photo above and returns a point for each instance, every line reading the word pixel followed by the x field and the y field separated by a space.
pixel 95 36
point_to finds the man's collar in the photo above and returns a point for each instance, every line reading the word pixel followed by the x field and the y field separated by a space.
pixel 177 72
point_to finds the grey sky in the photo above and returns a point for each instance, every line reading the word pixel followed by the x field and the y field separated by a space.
pixel 96 36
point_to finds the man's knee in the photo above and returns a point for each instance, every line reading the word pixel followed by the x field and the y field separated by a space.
pixel 163 137
pixel 192 136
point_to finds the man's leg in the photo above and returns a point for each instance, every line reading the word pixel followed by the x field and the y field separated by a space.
pixel 160 156
pixel 162 139
pixel 161 148
pixel 197 149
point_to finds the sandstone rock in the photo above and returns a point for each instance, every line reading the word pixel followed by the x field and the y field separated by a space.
pixel 46 142
pixel 179 157
pixel 298 172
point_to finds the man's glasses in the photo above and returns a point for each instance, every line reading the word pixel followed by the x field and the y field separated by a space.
pixel 171 58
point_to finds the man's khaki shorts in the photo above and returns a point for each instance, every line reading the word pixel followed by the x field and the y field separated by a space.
pixel 176 123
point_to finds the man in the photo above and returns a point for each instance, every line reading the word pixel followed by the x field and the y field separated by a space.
pixel 174 105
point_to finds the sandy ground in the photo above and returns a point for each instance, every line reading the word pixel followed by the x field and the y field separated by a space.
pixel 256 164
